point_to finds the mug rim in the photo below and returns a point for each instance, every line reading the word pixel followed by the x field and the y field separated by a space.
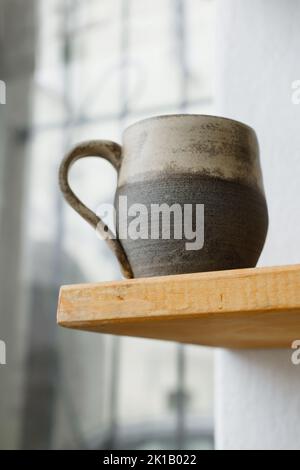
pixel 183 115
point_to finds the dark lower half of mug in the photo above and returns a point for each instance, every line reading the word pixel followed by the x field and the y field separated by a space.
pixel 235 225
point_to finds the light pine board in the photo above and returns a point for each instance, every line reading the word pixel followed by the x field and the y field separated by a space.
pixel 248 308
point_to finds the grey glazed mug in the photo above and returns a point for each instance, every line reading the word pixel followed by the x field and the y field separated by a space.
pixel 185 160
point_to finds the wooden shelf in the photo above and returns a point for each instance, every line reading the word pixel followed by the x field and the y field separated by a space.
pixel 248 308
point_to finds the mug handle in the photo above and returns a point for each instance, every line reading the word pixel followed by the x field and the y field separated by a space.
pixel 111 152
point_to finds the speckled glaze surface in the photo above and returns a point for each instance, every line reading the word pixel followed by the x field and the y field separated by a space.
pixel 185 159
pixel 206 145
pixel 194 159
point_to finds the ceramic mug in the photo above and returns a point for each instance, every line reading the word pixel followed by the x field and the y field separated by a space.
pixel 185 160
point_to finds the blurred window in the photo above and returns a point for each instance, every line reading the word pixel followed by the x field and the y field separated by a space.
pixel 99 66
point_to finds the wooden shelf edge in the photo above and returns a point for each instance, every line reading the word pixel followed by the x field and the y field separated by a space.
pixel 248 308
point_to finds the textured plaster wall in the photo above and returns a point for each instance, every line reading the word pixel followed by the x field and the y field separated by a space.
pixel 257 392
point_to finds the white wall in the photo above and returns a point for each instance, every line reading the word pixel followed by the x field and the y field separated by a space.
pixel 257 392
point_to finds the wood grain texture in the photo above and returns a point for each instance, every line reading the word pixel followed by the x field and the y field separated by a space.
pixel 248 308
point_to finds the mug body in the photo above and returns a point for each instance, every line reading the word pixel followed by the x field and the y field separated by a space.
pixel 192 161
